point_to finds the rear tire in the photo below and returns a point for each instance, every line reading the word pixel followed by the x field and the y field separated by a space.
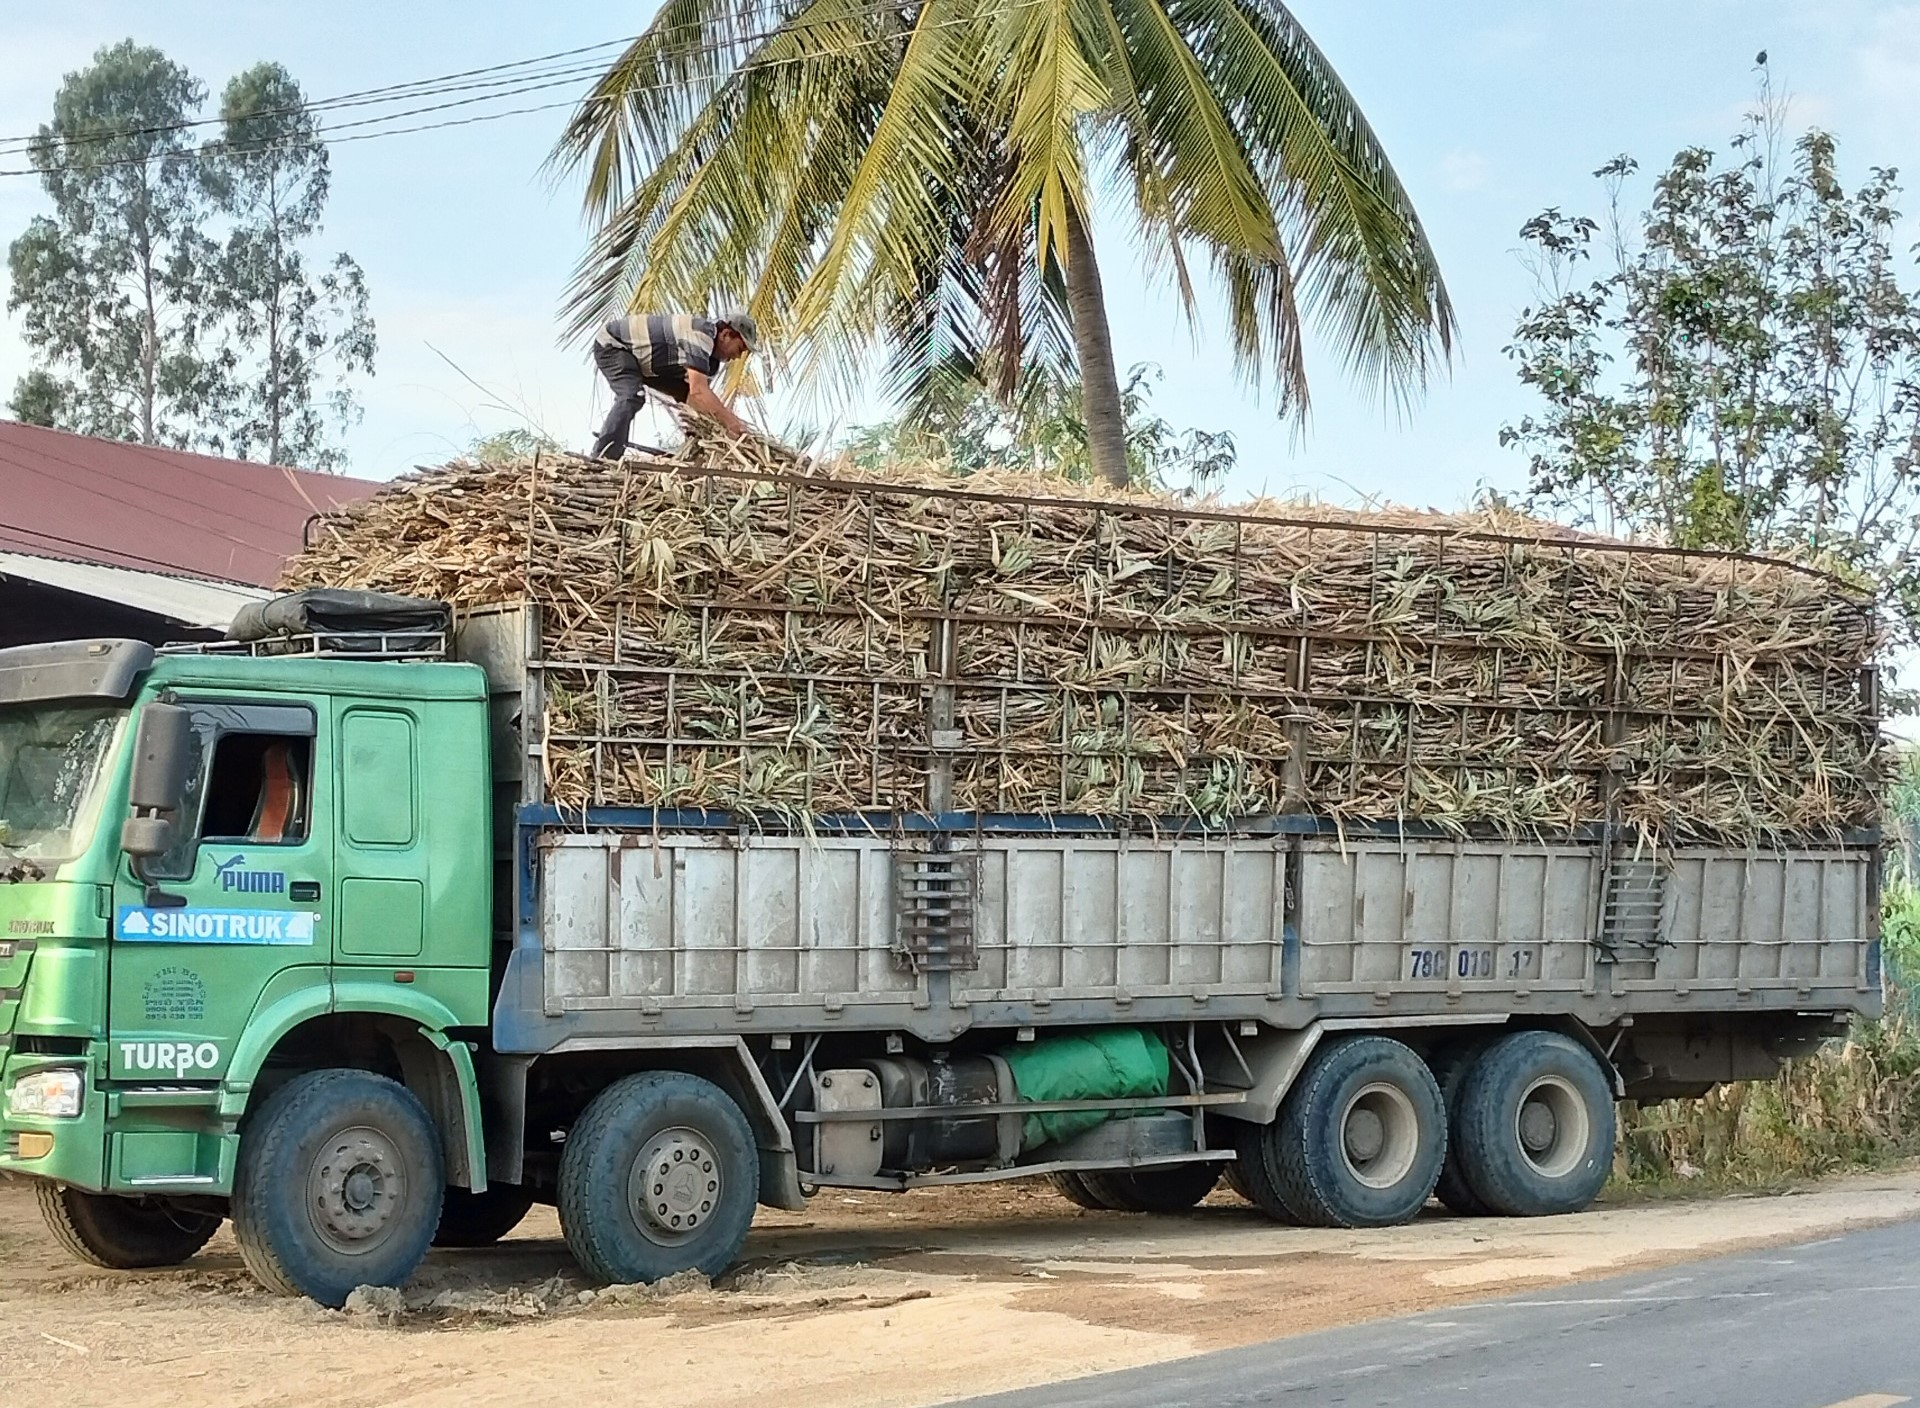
pixel 660 1175
pixel 1536 1125
pixel 1073 1186
pixel 122 1234
pixel 1254 1166
pixel 1361 1137
pixel 1235 1177
pixel 1450 1066
pixel 1172 1188
pixel 338 1185
pixel 470 1219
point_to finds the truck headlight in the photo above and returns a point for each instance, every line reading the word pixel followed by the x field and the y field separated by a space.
pixel 58 1091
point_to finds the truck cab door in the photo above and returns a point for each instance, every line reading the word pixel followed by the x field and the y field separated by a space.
pixel 380 851
pixel 244 893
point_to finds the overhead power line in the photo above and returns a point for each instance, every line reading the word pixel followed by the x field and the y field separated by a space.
pixel 324 132
pixel 509 76
pixel 393 92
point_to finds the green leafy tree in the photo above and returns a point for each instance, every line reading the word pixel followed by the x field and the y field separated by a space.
pixel 295 342
pixel 965 427
pixel 109 287
pixel 925 178
pixel 1737 368
pixel 40 398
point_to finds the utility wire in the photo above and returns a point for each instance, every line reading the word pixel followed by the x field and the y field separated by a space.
pixel 418 87
pixel 529 70
pixel 321 134
pixel 515 83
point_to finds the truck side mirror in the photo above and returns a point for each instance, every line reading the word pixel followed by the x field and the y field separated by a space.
pixel 156 789
pixel 161 748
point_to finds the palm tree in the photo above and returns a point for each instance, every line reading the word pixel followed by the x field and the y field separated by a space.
pixel 923 175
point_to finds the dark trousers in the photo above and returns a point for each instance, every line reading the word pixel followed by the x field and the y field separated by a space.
pixel 622 371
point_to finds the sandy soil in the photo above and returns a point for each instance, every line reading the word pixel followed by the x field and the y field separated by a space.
pixel 862 1300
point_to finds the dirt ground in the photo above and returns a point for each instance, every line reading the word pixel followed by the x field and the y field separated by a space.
pixel 862 1300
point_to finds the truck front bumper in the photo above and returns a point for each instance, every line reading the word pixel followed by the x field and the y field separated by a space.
pixel 151 1141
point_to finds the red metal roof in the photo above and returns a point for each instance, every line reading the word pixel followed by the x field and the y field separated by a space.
pixel 107 501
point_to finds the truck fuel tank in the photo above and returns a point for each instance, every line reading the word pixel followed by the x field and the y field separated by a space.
pixel 861 1148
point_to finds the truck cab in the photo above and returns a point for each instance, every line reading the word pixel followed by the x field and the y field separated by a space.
pixel 219 872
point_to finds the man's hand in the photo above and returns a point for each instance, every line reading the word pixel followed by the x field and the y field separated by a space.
pixel 701 396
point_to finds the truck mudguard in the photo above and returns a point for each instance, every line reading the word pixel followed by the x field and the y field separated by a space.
pixel 313 994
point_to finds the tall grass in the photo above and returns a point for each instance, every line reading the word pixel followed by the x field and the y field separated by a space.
pixel 1854 1103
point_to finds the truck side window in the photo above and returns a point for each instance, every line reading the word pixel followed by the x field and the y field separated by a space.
pixel 257 790
pixel 250 782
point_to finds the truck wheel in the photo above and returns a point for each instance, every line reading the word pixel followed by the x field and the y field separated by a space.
pixel 1450 1065
pixel 1536 1125
pixel 1254 1168
pixel 1073 1186
pixel 122 1234
pixel 338 1185
pixel 1361 1137
pixel 481 1219
pixel 660 1175
pixel 1235 1177
pixel 1174 1188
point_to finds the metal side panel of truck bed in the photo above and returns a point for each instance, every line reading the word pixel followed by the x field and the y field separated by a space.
pixel 684 932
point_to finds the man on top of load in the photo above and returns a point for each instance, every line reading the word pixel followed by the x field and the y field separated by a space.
pixel 677 355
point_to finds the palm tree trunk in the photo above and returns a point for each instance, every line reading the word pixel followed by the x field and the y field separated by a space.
pixel 1093 340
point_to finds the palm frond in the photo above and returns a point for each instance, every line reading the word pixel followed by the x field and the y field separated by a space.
pixel 1363 263
pixel 901 176
pixel 1042 91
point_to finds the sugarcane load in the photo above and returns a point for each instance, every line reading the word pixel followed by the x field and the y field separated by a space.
pixel 721 631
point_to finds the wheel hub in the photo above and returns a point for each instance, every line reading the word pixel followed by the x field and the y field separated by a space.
pixel 1379 1134
pixel 675 1185
pixel 1365 1135
pixel 1553 1126
pixel 355 1189
pixel 1537 1126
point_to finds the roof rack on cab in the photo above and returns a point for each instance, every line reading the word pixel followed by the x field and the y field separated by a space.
pixel 327 621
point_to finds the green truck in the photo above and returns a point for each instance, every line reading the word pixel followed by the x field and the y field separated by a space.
pixel 294 939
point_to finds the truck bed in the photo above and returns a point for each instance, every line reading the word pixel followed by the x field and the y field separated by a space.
pixel 697 932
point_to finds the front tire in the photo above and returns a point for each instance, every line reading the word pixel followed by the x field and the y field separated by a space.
pixel 1536 1125
pixel 480 1219
pixel 339 1185
pixel 1361 1137
pixel 122 1234
pixel 660 1175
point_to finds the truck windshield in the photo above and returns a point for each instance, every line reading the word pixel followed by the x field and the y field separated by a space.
pixel 51 760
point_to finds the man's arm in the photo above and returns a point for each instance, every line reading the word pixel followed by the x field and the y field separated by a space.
pixel 701 396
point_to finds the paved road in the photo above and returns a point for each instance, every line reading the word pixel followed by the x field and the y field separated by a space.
pixel 1831 1324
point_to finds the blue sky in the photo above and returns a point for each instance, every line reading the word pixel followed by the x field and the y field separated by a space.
pixel 1490 111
